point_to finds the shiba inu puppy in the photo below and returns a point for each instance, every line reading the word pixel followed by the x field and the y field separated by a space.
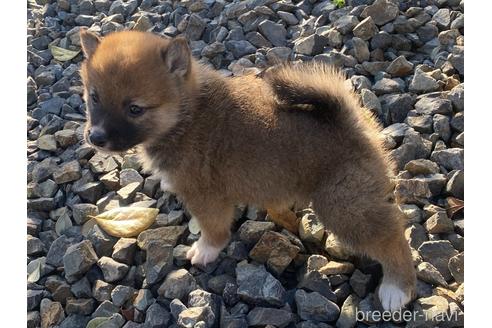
pixel 294 134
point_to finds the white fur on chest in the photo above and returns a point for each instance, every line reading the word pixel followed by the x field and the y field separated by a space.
pixel 166 184
pixel 151 166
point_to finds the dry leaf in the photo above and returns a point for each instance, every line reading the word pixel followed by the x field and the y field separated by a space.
pixel 34 273
pixel 126 221
pixel 128 314
pixel 454 205
pixel 96 322
pixel 62 54
pixel 62 224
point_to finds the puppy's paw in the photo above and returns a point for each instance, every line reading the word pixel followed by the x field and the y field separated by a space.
pixel 392 297
pixel 202 253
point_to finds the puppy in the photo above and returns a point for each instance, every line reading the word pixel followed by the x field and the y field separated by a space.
pixel 294 135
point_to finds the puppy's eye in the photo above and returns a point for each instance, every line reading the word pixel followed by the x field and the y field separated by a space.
pixel 94 98
pixel 136 110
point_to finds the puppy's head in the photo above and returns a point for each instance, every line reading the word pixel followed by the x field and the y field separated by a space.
pixel 134 84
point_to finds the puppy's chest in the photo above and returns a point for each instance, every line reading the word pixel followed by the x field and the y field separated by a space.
pixel 153 166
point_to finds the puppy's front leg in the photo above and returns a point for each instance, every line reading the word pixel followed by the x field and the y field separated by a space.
pixel 215 224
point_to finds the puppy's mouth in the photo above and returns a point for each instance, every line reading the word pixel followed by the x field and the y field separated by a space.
pixel 110 147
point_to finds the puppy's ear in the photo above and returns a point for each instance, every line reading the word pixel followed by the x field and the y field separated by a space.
pixel 89 42
pixel 177 56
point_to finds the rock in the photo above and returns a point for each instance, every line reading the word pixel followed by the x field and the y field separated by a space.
pixel 258 40
pixel 111 180
pixel 127 193
pixel 100 163
pixel 240 48
pixel 361 49
pixel 423 83
pixel 217 284
pixel 428 273
pixel 366 29
pixel 395 107
pixel 439 223
pixel 269 292
pixel 190 317
pixel 121 294
pixel 81 288
pixel 166 235
pixel 34 245
pixel 51 313
pixel 421 166
pixel 431 308
pixel 34 298
pixel 90 191
pixel 178 284
pixel 103 243
pixel 287 17
pixel 261 316
pixel 346 23
pixel 143 300
pixel 157 316
pixel 311 45
pixel 124 250
pixel 275 33
pixel 455 185
pixel 348 312
pixel 143 23
pixel 442 127
pixel 310 228
pixel 84 212
pixel 33 319
pixel 112 270
pixel 386 85
pixel 438 253
pixel 422 123
pixel 317 282
pixel 457 97
pixel 47 142
pixel 451 159
pixel 400 66
pixel 314 306
pixel 102 291
pixel 456 266
pixel 274 250
pixel 360 283
pixel 381 11
pixel 250 231
pixel 432 106
pixel 419 188
pixel 442 18
pixel 159 261
pixel 66 138
pixel 128 176
pixel 78 259
pixel 83 306
pixel 416 235
pixel 105 309
pixel 370 101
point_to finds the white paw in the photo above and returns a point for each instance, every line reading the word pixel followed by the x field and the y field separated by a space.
pixel 202 253
pixel 392 297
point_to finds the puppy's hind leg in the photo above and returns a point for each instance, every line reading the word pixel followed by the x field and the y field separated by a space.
pixel 373 227
pixel 215 224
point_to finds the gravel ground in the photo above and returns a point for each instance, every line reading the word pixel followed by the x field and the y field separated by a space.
pixel 404 58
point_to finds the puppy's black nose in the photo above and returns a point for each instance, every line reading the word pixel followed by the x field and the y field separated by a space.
pixel 98 137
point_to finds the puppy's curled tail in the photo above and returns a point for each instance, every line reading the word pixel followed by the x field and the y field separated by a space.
pixel 315 87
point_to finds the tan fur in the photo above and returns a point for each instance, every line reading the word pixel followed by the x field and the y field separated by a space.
pixel 295 135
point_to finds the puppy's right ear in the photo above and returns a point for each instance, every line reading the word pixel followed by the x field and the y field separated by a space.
pixel 177 56
pixel 89 42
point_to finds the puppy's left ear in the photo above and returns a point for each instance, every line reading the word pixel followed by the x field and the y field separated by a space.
pixel 177 56
pixel 89 42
